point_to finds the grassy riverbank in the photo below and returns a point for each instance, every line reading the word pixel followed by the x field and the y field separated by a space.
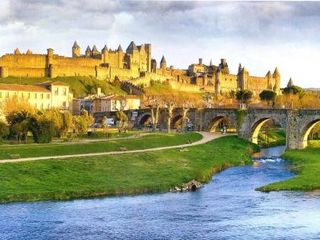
pixel 272 137
pixel 147 141
pixel 118 175
pixel 306 164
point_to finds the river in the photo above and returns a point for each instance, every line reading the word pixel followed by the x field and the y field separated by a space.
pixel 226 208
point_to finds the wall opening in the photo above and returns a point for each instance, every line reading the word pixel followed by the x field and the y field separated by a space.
pixel 311 134
pixel 221 124
pixel 267 132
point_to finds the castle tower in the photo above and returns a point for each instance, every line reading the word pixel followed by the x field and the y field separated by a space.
pixel 75 50
pixel 223 66
pixel 163 65
pixel 269 80
pixel 133 51
pixel 276 76
pixel 242 78
pixel 149 58
pixel 17 51
pixel 94 51
pixel 88 52
pixel 104 52
pixel 49 63
pixel 217 82
pixel 154 66
pixel 120 56
pixel 290 83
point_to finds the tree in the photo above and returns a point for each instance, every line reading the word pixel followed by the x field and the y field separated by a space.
pixel 243 96
pixel 293 90
pixel 82 121
pixel 122 121
pixel 154 102
pixel 268 96
pixel 19 123
pixel 4 130
pixel 187 101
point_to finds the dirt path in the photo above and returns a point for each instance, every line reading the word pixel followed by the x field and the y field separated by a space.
pixel 206 137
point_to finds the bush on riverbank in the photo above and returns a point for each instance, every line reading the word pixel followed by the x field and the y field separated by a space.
pixel 122 174
pixel 306 164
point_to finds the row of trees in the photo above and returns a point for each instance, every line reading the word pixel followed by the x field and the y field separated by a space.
pixel 22 120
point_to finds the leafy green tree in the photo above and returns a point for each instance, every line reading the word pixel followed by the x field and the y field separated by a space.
pixel 4 130
pixel 293 90
pixel 268 95
pixel 243 96
pixel 19 123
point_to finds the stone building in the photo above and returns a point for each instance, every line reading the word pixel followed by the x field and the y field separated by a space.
pixel 104 64
pixel 136 66
pixel 42 96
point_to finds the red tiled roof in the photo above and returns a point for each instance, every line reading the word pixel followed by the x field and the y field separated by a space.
pixel 22 88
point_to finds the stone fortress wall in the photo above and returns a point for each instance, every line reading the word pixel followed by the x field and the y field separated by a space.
pixel 137 66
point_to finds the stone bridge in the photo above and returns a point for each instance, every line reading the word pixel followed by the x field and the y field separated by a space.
pixel 247 123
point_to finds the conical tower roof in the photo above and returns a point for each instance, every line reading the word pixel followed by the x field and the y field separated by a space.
pixel 75 45
pixel 17 51
pixel 290 83
pixel 94 49
pixel 163 60
pixel 120 48
pixel 268 74
pixel 88 49
pixel 132 46
pixel 276 72
pixel 105 48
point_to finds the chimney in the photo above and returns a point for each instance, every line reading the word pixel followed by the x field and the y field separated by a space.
pixel 200 60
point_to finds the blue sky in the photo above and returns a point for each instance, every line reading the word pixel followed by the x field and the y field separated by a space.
pixel 259 35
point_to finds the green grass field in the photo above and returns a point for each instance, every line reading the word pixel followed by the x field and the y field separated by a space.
pixel 147 141
pixel 306 163
pixel 272 137
pixel 79 86
pixel 118 175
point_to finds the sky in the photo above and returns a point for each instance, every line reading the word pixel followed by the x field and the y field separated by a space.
pixel 259 35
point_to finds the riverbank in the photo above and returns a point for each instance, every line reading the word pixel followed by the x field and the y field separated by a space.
pixel 306 164
pixel 122 174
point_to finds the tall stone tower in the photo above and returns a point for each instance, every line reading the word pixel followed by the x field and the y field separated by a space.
pixel 75 50
pixel 163 65
pixel 276 76
pixel 242 78
pixel 104 52
pixel 149 58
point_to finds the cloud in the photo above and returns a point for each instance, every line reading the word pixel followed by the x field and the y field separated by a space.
pixel 258 34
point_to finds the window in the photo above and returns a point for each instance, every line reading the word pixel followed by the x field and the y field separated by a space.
pixel 64 104
pixel 0 94
pixel 41 95
pixel 35 95
pixel 64 91
pixel 48 96
pixel 41 106
pixel 29 95
pixel 56 91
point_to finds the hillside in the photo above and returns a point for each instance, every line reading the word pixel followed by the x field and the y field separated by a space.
pixel 80 86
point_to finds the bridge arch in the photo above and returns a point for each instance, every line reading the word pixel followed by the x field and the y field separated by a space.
pixel 176 121
pixel 306 132
pixel 259 124
pixel 218 122
pixel 144 119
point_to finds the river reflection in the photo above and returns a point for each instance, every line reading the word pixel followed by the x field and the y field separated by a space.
pixel 226 208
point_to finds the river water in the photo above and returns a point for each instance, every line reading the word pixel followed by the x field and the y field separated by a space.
pixel 226 208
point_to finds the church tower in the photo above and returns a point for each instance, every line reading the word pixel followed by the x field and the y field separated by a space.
pixel 163 65
pixel 75 50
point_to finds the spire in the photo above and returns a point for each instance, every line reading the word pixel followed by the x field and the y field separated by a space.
pixel 268 74
pixel 120 48
pixel 290 83
pixel 239 68
pixel 276 73
pixel 88 52
pixel 210 63
pixel 17 51
pixel 163 61
pixel 105 48
pixel 29 51
pixel 75 45
pixel 94 49
pixel 132 47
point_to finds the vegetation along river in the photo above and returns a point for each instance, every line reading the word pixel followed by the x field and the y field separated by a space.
pixel 226 208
